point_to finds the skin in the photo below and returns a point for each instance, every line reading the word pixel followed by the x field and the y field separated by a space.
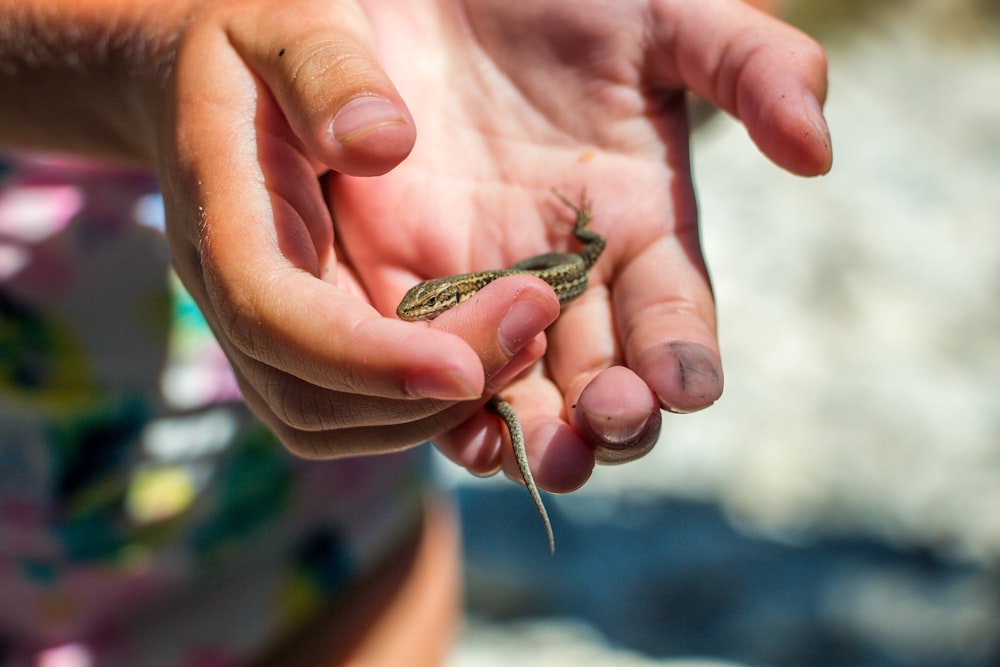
pixel 232 102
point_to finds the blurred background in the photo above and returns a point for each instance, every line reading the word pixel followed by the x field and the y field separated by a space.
pixel 840 505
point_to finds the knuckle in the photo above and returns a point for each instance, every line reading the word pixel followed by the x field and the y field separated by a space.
pixel 294 405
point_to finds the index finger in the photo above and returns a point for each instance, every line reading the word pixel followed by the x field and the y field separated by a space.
pixel 763 71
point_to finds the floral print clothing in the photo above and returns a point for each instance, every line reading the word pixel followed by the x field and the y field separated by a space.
pixel 146 517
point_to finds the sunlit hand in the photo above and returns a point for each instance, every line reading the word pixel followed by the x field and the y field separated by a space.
pixel 509 100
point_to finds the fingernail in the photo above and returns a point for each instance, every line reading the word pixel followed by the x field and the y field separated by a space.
pixel 362 115
pixel 617 430
pixel 699 377
pixel 447 386
pixel 522 322
pixel 814 111
pixel 620 439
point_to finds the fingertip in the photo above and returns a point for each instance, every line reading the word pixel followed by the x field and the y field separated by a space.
pixel 781 103
pixel 445 384
pixel 369 135
pixel 431 364
pixel 817 138
pixel 619 415
pixel 795 137
pixel 473 444
pixel 685 376
pixel 771 76
pixel 560 460
pixel 570 464
pixel 503 320
pixel 319 62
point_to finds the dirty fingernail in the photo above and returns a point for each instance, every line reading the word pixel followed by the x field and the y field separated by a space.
pixel 698 376
pixel 617 430
pixel 624 440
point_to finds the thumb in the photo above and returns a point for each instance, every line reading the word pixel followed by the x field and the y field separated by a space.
pixel 316 57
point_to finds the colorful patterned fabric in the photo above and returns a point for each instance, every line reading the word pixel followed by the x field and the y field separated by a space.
pixel 146 517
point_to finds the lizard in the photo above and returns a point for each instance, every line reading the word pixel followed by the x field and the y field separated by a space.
pixel 565 272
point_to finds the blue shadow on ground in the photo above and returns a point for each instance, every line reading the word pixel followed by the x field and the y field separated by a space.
pixel 676 579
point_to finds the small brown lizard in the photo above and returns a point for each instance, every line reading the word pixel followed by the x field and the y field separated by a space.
pixel 566 273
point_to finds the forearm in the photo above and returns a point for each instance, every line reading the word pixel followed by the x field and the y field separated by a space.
pixel 85 76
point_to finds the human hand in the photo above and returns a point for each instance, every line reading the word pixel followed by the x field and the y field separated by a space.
pixel 510 100
pixel 569 95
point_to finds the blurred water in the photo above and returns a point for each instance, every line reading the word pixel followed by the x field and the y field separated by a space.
pixel 857 445
pixel 670 578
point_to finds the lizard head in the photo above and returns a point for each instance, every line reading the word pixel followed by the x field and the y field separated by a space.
pixel 428 300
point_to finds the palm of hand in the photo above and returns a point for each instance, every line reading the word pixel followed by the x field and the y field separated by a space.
pixel 501 122
pixel 505 111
